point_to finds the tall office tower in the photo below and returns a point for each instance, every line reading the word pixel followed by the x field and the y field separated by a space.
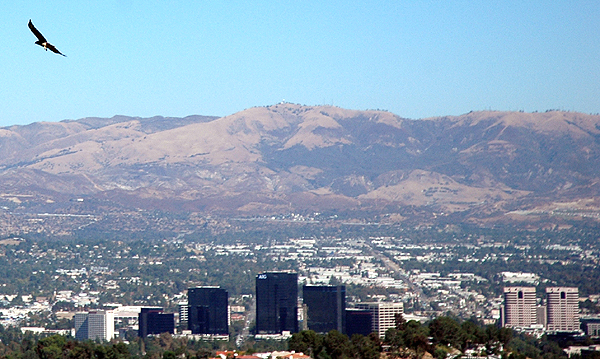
pixel 276 303
pixel 95 325
pixel 358 321
pixel 562 304
pixel 208 310
pixel 326 308
pixel 154 321
pixel 383 315
pixel 519 307
pixel 81 325
pixel 183 312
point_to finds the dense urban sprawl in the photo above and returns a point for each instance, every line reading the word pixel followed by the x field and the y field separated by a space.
pixel 434 272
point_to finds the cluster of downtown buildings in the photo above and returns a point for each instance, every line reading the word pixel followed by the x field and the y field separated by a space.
pixel 324 308
pixel 278 310
pixel 280 313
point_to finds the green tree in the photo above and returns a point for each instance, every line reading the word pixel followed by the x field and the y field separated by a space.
pixel 470 334
pixel 505 335
pixel 400 322
pixel 394 338
pixel 368 347
pixel 306 341
pixel 415 337
pixel 118 351
pixel 445 331
pixel 337 345
pixel 440 353
pixel 100 352
pixel 51 347
pixel 82 350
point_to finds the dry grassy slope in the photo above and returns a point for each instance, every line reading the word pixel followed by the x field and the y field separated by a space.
pixel 575 124
pixel 536 152
pixel 289 157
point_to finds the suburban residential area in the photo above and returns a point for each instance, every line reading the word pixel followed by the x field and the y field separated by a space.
pixel 56 281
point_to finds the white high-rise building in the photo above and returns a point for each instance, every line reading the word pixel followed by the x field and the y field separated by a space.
pixel 183 312
pixel 563 309
pixel 94 325
pixel 519 307
pixel 383 315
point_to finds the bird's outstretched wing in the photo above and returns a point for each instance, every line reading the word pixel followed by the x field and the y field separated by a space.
pixel 35 31
pixel 51 47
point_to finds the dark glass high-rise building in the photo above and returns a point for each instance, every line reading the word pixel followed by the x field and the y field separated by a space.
pixel 326 308
pixel 276 303
pixel 154 321
pixel 358 321
pixel 208 310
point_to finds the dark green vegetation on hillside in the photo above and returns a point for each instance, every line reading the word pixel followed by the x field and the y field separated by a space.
pixel 440 337
pixel 14 345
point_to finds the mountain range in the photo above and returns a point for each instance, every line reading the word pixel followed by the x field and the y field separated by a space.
pixel 288 158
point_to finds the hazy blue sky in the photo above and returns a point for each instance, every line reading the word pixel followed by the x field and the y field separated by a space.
pixel 415 58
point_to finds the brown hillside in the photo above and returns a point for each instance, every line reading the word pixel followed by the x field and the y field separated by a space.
pixel 287 158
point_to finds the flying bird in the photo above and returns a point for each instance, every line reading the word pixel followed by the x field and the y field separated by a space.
pixel 42 40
